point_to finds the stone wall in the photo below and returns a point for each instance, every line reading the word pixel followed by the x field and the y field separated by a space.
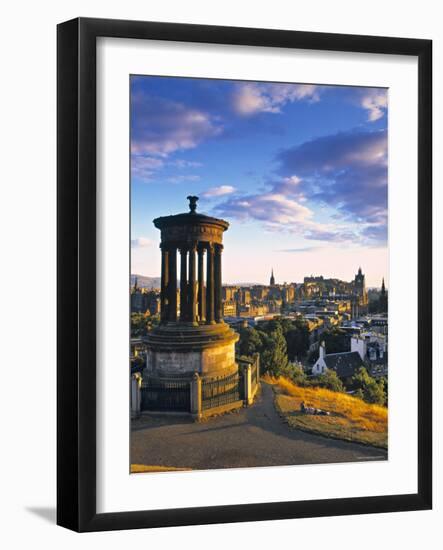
pixel 212 361
pixel 218 360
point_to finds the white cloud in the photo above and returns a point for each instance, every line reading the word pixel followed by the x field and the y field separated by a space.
pixel 302 249
pixel 375 102
pixel 182 163
pixel 161 126
pixel 252 98
pixel 288 185
pixel 180 178
pixel 218 191
pixel 141 242
pixel 143 167
pixel 346 171
pixel 281 210
pixel 271 208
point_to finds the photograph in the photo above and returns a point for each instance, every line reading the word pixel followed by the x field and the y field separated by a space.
pixel 228 223
pixel 259 274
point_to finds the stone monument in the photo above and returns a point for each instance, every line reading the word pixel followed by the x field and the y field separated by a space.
pixel 192 336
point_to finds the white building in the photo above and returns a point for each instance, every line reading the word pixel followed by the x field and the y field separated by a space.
pixel 367 349
pixel 345 363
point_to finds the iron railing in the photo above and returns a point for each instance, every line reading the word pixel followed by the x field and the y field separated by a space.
pixel 173 395
pixel 216 393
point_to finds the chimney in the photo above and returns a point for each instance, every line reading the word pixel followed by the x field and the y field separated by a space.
pixel 322 350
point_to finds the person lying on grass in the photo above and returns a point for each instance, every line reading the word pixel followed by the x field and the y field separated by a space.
pixel 312 410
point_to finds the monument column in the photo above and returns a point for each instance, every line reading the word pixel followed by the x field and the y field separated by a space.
pixel 164 285
pixel 195 347
pixel 210 284
pixel 172 284
pixel 201 284
pixel 218 304
pixel 192 296
pixel 183 285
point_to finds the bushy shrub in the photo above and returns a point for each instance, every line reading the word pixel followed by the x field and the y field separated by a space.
pixel 296 374
pixel 330 381
pixel 368 388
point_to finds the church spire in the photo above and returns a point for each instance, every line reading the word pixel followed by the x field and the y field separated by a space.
pixel 272 279
pixel 383 298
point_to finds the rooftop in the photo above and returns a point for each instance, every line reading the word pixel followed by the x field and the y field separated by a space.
pixel 345 364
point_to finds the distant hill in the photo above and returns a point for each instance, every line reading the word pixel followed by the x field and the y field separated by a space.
pixel 242 284
pixel 154 282
pixel 145 282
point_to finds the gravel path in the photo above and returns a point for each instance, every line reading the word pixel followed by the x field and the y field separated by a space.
pixel 254 436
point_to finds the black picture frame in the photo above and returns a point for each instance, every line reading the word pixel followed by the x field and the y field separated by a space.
pixel 76 281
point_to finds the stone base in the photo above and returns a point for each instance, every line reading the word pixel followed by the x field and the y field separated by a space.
pixel 222 409
pixel 178 350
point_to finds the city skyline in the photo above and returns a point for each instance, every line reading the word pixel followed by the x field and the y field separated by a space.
pixel 298 170
pixel 277 282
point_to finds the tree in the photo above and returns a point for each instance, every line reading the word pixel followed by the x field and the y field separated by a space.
pixel 138 324
pixel 275 324
pixel 375 392
pixel 274 357
pixel 297 340
pixel 250 342
pixel 295 332
pixel 385 387
pixel 359 393
pixel 336 340
pixel 285 324
pixel 331 381
pixel 371 390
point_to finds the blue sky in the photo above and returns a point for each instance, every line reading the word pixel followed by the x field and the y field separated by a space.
pixel 299 171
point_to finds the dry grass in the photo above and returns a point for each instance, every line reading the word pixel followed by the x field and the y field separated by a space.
pixel 350 418
pixel 140 468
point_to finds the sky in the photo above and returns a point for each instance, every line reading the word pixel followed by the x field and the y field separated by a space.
pixel 298 170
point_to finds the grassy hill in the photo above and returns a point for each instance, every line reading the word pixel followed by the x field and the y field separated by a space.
pixel 350 418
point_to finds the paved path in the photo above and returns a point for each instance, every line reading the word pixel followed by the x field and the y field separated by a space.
pixel 254 436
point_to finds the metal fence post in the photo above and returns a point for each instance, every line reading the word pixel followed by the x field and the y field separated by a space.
pixel 136 382
pixel 196 396
pixel 257 362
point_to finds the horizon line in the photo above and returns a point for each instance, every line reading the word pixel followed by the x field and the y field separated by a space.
pixel 250 283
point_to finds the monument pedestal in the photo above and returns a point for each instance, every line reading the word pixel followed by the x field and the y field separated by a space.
pixel 180 350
